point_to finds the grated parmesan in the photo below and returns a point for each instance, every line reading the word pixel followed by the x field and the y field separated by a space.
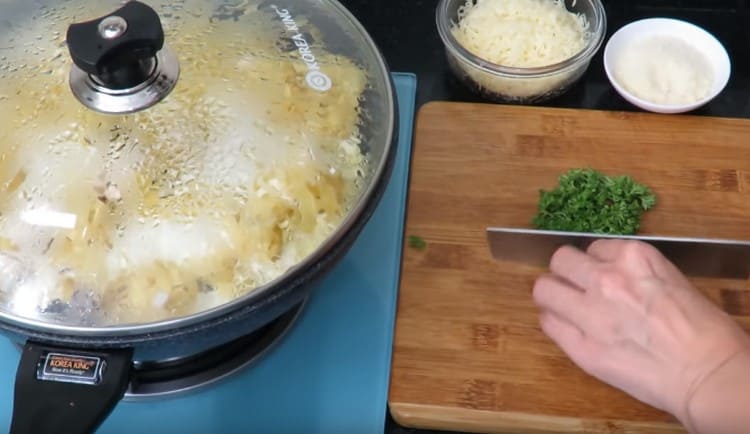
pixel 665 70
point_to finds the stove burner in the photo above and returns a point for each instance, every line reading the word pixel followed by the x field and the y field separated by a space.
pixel 154 380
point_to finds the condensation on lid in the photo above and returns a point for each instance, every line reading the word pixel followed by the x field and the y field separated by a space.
pixel 281 115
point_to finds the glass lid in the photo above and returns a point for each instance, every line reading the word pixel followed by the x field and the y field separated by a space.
pixel 162 160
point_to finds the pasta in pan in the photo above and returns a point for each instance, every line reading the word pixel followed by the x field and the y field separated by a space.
pixel 238 175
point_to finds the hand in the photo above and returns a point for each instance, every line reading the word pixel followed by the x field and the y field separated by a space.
pixel 627 316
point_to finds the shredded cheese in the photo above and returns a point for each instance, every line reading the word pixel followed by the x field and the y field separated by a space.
pixel 520 33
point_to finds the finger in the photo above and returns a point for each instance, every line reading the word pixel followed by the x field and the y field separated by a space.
pixel 639 258
pixel 575 266
pixel 606 250
pixel 664 268
pixel 571 340
pixel 634 255
pixel 555 295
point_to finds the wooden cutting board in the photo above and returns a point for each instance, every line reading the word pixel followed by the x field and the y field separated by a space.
pixel 468 351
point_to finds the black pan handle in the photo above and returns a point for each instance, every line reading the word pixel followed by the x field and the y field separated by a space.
pixel 59 390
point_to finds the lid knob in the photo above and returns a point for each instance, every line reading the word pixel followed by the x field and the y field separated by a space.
pixel 121 64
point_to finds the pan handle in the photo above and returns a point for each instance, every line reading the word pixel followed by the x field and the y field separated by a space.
pixel 65 390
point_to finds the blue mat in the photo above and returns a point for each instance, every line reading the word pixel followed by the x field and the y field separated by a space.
pixel 330 374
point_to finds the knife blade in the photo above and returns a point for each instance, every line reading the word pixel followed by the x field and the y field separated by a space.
pixel 696 257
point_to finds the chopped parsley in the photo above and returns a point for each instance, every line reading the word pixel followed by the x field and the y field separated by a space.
pixel 589 201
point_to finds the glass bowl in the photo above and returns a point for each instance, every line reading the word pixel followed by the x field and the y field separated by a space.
pixel 513 84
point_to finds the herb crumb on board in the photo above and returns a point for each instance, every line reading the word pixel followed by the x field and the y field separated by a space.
pixel 416 242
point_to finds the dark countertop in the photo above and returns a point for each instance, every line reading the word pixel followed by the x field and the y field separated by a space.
pixel 405 31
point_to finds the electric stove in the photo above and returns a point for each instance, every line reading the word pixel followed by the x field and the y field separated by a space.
pixel 322 368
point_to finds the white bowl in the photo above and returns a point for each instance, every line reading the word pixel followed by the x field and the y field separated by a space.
pixel 714 52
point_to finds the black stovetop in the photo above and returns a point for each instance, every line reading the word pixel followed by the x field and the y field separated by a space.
pixel 405 31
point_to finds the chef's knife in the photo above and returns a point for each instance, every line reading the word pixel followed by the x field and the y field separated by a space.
pixel 697 257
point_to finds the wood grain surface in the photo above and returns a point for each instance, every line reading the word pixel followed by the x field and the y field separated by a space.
pixel 468 351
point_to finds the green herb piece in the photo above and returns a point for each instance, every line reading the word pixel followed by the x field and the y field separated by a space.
pixel 588 201
pixel 416 242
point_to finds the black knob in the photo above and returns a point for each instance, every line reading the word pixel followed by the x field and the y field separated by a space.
pixel 118 49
